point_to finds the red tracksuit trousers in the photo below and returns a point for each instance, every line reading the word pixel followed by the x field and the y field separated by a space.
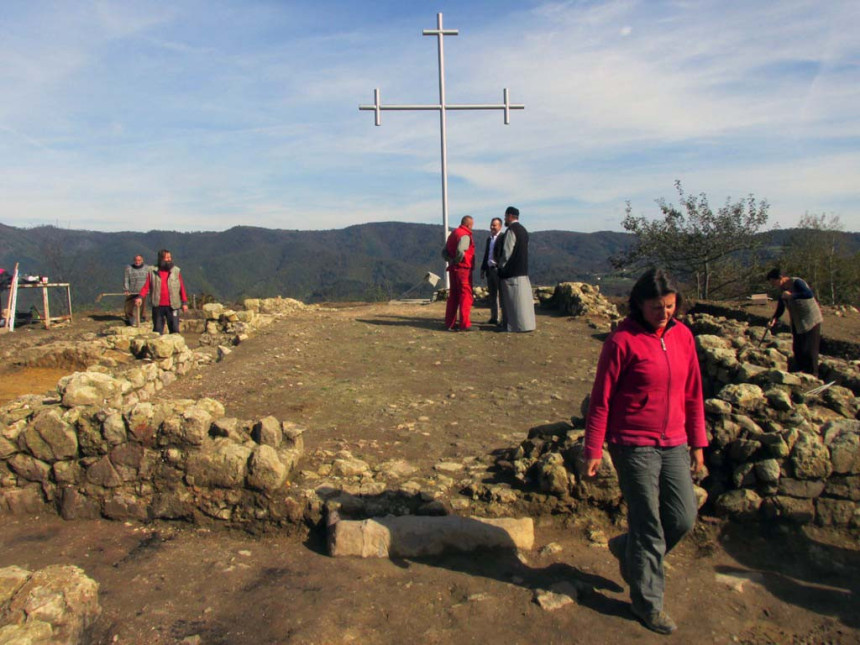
pixel 459 297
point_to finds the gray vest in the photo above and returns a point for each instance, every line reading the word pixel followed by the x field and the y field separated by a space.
pixel 804 313
pixel 135 277
pixel 172 288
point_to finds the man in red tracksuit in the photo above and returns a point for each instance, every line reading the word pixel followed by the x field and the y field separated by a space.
pixel 460 254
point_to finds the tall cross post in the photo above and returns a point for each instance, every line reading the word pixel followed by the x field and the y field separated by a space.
pixel 442 107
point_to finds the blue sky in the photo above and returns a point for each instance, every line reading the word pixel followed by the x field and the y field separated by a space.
pixel 201 115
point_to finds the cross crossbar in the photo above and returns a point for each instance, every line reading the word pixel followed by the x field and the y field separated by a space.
pixel 505 105
pixel 443 107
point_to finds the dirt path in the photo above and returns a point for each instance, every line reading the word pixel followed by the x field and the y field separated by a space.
pixel 162 584
pixel 389 382
pixel 385 382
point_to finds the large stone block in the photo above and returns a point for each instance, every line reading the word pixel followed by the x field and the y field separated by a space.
pixel 30 468
pixel 293 436
pixel 61 596
pixel 77 506
pixel 195 426
pixel 810 458
pixel 266 472
pixel 416 536
pixel 165 346
pixel 844 487
pixel 49 437
pixel 22 501
pixel 143 420
pixel 792 509
pixel 738 504
pixel 127 459
pixel 90 388
pixel 804 488
pixel 835 512
pixel 267 431
pixel 213 310
pixel 843 438
pixel 742 395
pixel 113 429
pixel 125 507
pixel 218 463
pixel 11 580
pixel 767 471
pixel 102 473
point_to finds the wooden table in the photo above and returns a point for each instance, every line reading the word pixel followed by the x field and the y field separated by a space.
pixel 44 286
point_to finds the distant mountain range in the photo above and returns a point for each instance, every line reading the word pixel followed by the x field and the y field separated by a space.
pixel 365 262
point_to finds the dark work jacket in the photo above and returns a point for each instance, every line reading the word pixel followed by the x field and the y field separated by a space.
pixel 518 264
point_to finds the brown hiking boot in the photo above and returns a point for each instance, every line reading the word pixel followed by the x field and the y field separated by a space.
pixel 656 621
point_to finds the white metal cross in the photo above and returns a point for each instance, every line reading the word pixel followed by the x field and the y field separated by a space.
pixel 443 108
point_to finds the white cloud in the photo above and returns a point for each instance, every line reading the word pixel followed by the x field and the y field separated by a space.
pixel 198 115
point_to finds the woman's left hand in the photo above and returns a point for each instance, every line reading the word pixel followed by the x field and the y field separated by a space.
pixel 697 460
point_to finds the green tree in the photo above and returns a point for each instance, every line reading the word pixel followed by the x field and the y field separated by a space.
pixel 698 245
pixel 816 252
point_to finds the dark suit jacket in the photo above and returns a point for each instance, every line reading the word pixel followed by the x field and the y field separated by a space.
pixel 485 265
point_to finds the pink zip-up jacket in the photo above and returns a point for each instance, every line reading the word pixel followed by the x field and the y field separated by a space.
pixel 648 390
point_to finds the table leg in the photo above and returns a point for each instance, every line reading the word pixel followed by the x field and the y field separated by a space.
pixel 46 308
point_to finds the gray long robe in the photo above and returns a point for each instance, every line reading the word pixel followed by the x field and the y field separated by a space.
pixel 517 298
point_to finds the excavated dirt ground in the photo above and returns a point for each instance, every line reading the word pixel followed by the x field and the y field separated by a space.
pixel 384 382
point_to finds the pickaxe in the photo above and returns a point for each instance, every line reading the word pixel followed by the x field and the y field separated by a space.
pixel 102 295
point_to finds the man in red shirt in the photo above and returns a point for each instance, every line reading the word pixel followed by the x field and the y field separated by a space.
pixel 168 293
pixel 460 254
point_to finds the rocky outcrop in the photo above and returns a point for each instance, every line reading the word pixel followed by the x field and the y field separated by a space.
pixel 56 604
pixel 581 299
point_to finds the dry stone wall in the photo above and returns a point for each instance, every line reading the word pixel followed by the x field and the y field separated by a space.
pixel 106 445
pixel 783 446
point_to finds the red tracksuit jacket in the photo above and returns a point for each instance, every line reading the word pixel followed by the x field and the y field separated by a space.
pixel 648 390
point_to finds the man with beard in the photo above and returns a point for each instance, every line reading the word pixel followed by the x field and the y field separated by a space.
pixel 517 299
pixel 135 278
pixel 165 283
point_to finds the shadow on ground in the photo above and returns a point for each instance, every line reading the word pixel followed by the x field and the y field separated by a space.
pixel 796 568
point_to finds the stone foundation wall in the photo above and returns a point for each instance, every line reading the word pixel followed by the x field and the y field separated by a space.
pixel 778 449
pixel 104 445
pixel 783 445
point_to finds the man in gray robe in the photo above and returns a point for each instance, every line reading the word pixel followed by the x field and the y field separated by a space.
pixel 516 289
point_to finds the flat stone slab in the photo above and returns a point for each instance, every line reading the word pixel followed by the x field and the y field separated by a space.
pixel 418 535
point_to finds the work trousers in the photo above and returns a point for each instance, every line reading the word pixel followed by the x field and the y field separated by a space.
pixel 661 509
pixel 493 284
pixel 129 310
pixel 805 347
pixel 162 315
pixel 459 298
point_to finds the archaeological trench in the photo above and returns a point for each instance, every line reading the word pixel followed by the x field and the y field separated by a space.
pixel 782 449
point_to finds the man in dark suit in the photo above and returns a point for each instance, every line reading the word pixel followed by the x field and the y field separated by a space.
pixel 490 269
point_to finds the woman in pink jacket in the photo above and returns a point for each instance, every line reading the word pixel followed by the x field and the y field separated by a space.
pixel 646 403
